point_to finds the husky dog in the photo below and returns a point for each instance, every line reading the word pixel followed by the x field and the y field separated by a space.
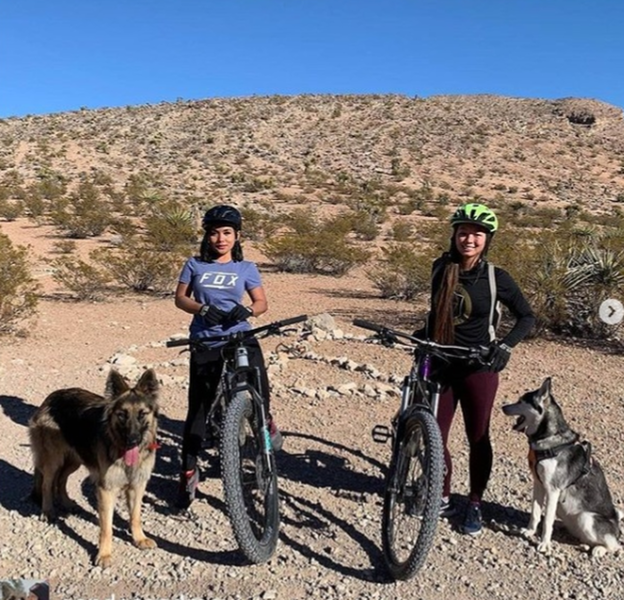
pixel 114 436
pixel 567 481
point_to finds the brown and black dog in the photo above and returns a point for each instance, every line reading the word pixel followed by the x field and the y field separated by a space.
pixel 113 435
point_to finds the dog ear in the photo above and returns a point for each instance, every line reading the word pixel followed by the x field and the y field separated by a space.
pixel 148 384
pixel 115 385
pixel 545 389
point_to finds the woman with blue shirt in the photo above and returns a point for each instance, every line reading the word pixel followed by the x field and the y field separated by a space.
pixel 212 287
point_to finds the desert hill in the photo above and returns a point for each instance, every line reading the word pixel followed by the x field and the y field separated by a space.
pixel 323 149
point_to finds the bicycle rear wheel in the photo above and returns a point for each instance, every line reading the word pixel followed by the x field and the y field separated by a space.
pixel 413 494
pixel 250 484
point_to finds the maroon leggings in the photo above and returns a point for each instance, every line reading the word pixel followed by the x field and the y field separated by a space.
pixel 475 393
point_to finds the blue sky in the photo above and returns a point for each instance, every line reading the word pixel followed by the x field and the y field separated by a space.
pixel 63 55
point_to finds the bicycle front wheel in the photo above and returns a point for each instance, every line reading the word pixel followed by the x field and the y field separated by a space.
pixel 412 497
pixel 249 483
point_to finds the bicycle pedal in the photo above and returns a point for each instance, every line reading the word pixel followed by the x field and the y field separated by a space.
pixel 381 434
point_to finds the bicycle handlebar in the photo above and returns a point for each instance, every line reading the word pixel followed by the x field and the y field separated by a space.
pixel 273 327
pixel 480 352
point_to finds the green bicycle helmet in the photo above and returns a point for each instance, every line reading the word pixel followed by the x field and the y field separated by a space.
pixel 475 214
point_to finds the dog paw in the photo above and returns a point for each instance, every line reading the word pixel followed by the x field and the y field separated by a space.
pixel 544 547
pixel 103 560
pixel 48 516
pixel 598 551
pixel 145 544
pixel 527 533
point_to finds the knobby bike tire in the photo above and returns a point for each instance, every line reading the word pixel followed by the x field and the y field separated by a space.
pixel 250 489
pixel 413 494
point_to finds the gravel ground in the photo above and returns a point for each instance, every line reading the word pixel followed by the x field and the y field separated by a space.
pixel 331 472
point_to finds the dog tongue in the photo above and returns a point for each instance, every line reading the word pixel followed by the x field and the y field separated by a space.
pixel 131 456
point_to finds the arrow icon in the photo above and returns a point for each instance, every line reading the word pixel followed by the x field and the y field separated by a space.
pixel 611 311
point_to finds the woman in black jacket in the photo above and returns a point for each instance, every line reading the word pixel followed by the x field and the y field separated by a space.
pixel 465 291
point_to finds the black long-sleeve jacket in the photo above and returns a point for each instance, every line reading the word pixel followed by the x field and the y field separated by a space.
pixel 472 305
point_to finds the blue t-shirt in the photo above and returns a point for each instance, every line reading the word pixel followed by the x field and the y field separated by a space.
pixel 222 285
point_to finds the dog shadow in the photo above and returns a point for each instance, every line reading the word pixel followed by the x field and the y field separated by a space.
pixel 17 409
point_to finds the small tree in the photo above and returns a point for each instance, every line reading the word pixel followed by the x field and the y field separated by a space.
pixel 314 247
pixel 18 289
pixel 403 272
pixel 85 281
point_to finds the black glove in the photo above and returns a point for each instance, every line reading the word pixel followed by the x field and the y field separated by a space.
pixel 211 314
pixel 499 356
pixel 420 334
pixel 239 313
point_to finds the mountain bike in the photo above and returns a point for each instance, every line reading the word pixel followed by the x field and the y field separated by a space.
pixel 248 468
pixel 415 477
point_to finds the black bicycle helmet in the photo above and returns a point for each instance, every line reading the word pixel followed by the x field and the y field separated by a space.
pixel 222 214
pixel 475 214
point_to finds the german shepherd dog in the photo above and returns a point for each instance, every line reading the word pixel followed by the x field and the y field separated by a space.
pixel 567 481
pixel 114 436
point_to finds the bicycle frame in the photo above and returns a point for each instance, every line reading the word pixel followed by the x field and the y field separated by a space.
pixel 239 376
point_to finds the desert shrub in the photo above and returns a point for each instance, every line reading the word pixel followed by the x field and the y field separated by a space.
pixel 259 223
pixel 314 247
pixel 402 231
pixel 18 289
pixel 403 272
pixel 64 246
pixel 35 204
pixel 364 225
pixel 171 227
pixel 140 267
pixel 85 281
pixel 124 227
pixel 564 277
pixel 83 214
pixel 10 211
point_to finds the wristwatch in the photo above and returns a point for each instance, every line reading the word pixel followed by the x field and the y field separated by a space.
pixel 203 310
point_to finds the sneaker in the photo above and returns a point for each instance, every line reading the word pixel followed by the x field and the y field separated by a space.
pixel 188 487
pixel 473 523
pixel 277 441
pixel 447 508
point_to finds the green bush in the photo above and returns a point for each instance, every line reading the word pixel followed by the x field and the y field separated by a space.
pixel 402 231
pixel 314 247
pixel 140 267
pixel 83 214
pixel 85 281
pixel 18 289
pixel 10 211
pixel 565 277
pixel 403 272
pixel 171 227
pixel 64 246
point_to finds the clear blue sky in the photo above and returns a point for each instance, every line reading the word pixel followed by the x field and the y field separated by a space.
pixel 60 55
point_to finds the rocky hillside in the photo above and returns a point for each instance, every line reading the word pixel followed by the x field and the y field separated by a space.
pixel 330 149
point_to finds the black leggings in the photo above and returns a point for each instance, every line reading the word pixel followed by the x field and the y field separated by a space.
pixel 475 393
pixel 203 382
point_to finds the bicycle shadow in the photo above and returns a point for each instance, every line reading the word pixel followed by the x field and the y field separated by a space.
pixel 329 470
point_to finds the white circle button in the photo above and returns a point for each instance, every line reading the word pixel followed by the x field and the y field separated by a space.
pixel 611 311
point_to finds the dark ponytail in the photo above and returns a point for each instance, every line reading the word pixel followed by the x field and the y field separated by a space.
pixel 443 317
